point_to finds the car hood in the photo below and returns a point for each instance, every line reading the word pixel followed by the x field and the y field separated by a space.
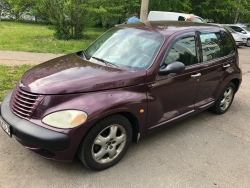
pixel 237 35
pixel 72 74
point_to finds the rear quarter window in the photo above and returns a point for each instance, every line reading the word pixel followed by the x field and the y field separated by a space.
pixel 229 47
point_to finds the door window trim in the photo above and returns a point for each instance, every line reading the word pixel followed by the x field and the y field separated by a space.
pixel 173 41
pixel 223 42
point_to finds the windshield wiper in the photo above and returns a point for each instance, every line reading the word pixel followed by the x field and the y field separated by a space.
pixel 84 54
pixel 104 61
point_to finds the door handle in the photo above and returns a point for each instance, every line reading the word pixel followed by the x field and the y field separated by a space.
pixel 196 75
pixel 227 65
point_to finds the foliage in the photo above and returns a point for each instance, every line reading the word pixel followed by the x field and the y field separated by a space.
pixel 14 9
pixel 222 11
pixel 5 9
pixel 170 5
pixel 71 17
pixel 244 11
pixel 66 15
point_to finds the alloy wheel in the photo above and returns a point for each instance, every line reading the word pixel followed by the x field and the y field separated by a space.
pixel 227 98
pixel 108 144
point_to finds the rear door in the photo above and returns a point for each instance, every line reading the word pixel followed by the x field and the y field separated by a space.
pixel 218 54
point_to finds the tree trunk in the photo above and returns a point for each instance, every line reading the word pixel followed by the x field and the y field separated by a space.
pixel 144 10
pixel 237 12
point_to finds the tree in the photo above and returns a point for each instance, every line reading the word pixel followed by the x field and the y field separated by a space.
pixel 66 15
pixel 226 11
pixel 171 5
pixel 5 9
pixel 243 11
pixel 107 12
pixel 20 7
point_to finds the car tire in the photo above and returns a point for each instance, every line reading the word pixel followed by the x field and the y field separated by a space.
pixel 225 99
pixel 106 143
pixel 248 43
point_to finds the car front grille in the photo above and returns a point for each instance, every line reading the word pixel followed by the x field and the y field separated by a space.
pixel 23 103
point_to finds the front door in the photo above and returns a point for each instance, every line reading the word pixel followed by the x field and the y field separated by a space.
pixel 173 95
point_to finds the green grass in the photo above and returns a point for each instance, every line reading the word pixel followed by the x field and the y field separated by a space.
pixel 9 75
pixel 31 37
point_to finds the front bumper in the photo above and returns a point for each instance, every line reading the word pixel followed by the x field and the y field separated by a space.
pixel 44 142
pixel 240 43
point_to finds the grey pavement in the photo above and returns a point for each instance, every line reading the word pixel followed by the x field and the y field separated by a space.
pixel 27 56
pixel 204 151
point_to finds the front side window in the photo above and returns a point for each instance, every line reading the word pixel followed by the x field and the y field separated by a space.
pixel 126 48
pixel 212 46
pixel 183 51
pixel 238 29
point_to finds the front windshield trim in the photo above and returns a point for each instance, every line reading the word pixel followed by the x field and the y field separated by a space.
pixel 108 44
pixel 229 29
pixel 246 28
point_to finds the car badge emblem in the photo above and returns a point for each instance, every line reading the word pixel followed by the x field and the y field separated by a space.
pixel 22 86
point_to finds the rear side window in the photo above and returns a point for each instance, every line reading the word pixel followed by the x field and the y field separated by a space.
pixel 228 44
pixel 212 46
pixel 184 51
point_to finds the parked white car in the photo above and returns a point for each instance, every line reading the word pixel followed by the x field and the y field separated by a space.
pixel 240 39
pixel 174 16
pixel 242 30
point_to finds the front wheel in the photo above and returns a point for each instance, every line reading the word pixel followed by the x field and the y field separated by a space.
pixel 248 43
pixel 225 99
pixel 106 143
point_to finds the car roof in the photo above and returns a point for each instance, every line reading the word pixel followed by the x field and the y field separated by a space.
pixel 238 25
pixel 167 28
pixel 174 13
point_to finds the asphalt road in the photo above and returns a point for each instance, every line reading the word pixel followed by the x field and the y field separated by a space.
pixel 206 150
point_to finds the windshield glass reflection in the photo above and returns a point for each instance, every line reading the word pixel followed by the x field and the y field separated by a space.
pixel 127 48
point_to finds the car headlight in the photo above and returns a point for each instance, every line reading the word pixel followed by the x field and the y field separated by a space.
pixel 237 38
pixel 65 119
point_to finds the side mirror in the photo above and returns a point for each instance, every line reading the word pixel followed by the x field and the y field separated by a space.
pixel 244 32
pixel 174 67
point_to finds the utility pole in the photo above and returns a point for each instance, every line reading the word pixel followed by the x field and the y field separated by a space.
pixel 144 10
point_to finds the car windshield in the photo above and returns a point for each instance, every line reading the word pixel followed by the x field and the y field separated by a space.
pixel 126 48
pixel 229 29
pixel 197 19
pixel 246 28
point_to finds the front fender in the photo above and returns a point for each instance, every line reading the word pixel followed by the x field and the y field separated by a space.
pixel 98 105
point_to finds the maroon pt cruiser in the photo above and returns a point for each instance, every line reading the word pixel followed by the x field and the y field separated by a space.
pixel 132 80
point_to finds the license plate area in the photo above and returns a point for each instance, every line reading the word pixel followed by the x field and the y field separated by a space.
pixel 5 126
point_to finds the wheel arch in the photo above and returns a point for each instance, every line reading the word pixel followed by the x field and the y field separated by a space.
pixel 129 116
pixel 236 82
pixel 134 123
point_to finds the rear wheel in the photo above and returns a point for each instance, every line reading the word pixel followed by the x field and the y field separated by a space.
pixel 106 143
pixel 225 99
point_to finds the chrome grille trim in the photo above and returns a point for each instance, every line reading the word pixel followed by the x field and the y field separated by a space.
pixel 23 103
